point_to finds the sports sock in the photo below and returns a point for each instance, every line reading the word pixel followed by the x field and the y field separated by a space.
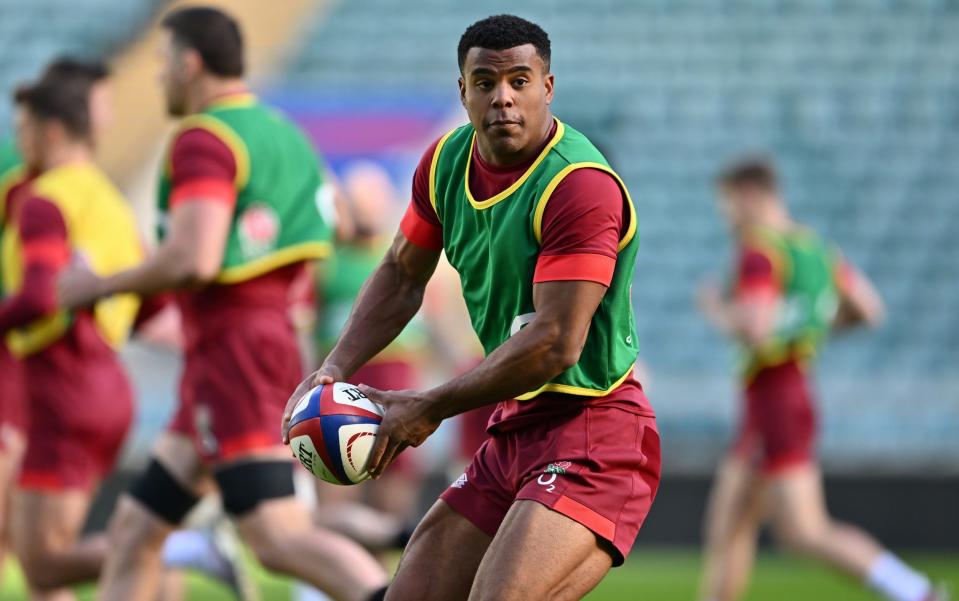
pixel 196 550
pixel 305 592
pixel 896 581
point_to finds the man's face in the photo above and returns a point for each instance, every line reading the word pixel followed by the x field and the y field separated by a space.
pixel 30 133
pixel 175 75
pixel 742 206
pixel 507 94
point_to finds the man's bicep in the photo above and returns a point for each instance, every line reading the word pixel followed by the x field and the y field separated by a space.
pixel 415 262
pixel 200 229
pixel 570 303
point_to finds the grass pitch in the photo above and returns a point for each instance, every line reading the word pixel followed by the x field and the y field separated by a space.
pixel 654 575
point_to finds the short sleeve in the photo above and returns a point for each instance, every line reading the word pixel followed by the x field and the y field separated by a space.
pixel 756 272
pixel 420 224
pixel 583 223
pixel 46 251
pixel 43 234
pixel 202 166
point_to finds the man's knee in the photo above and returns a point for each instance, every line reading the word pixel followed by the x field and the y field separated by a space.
pixel 38 550
pixel 39 569
pixel 259 494
pixel 133 530
pixel 268 542
pixel 801 539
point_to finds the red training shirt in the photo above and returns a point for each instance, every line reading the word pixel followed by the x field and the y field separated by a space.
pixel 585 219
pixel 203 166
pixel 46 253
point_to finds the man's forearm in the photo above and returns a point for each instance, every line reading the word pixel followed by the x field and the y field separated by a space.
pixel 165 270
pixel 36 299
pixel 385 304
pixel 20 310
pixel 529 359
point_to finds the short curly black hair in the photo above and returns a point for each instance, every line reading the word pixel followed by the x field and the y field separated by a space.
pixel 500 32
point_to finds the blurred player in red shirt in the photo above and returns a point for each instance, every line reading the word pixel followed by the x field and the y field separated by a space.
pixel 79 401
pixel 13 177
pixel 789 290
pixel 238 196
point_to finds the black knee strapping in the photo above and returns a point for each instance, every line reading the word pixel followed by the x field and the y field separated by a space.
pixel 245 485
pixel 159 492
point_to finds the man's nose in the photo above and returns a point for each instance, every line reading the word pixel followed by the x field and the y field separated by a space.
pixel 503 96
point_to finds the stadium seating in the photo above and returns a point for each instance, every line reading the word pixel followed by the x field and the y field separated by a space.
pixel 31 35
pixel 854 99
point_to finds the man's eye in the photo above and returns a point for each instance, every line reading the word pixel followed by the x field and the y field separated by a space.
pixel 520 82
pixel 484 85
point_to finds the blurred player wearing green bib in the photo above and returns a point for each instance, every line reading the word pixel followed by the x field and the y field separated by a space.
pixel 239 220
pixel 790 290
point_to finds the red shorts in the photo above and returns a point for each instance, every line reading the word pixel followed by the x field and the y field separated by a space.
pixel 12 397
pixel 235 386
pixel 779 423
pixel 599 467
pixel 80 406
pixel 473 429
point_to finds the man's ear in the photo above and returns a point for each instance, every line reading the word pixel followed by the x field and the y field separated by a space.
pixel 462 85
pixel 192 63
pixel 549 81
pixel 51 132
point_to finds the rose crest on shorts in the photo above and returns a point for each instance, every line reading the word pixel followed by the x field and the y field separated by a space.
pixel 559 467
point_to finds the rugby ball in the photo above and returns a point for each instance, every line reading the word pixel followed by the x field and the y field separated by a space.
pixel 332 430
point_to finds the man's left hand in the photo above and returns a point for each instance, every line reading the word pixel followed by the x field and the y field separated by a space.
pixel 407 421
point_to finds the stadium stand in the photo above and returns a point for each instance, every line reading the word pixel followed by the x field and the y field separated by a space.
pixel 98 31
pixel 854 99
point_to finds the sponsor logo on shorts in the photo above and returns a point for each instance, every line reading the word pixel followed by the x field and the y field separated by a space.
pixel 203 422
pixel 552 471
pixel 557 468
pixel 459 482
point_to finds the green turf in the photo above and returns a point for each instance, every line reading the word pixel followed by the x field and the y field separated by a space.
pixel 660 575
pixel 668 575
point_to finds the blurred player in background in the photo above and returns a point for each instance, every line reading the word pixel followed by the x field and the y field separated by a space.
pixel 456 345
pixel 195 550
pixel 14 176
pixel 369 198
pixel 79 400
pixel 790 290
pixel 12 402
pixel 542 233
pixel 240 220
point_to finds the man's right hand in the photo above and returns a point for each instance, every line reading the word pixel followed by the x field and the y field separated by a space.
pixel 327 374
